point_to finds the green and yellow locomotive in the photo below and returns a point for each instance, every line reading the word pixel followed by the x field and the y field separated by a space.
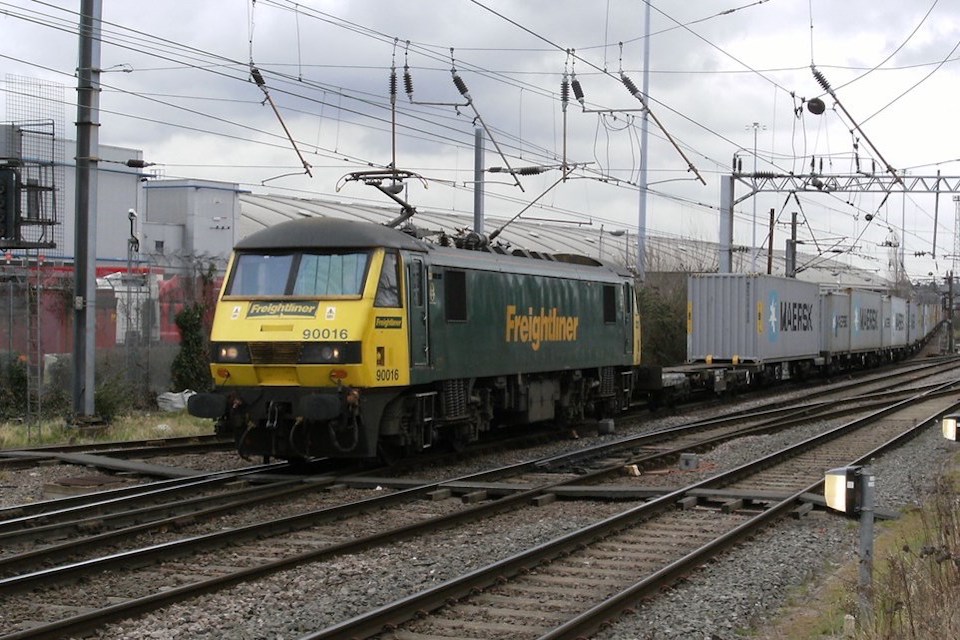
pixel 340 338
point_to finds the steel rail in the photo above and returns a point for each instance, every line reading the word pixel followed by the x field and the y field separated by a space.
pixel 25 515
pixel 151 602
pixel 390 616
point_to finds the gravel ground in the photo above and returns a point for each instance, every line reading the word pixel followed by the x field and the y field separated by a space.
pixel 736 596
pixel 739 594
pixel 24 486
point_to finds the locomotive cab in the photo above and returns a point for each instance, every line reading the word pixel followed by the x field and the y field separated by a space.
pixel 309 342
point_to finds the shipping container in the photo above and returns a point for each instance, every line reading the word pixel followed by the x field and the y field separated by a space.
pixel 866 311
pixel 742 318
pixel 894 322
pixel 914 334
pixel 836 323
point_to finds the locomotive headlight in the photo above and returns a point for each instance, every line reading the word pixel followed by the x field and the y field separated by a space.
pixel 330 353
pixel 231 352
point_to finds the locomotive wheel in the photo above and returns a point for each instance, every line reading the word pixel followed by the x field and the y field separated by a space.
pixel 389 453
pixel 457 443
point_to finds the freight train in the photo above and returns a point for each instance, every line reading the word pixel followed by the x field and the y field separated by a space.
pixel 340 338
pixel 751 329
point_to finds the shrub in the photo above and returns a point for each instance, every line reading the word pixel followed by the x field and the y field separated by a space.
pixel 191 367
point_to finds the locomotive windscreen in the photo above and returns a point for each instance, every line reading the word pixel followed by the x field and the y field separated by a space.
pixel 298 274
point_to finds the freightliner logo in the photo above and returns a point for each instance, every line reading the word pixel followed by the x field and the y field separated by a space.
pixel 301 309
pixel 544 326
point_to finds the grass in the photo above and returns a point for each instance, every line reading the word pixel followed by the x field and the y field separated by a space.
pixel 916 572
pixel 134 426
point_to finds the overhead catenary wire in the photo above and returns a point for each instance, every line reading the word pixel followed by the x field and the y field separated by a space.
pixel 366 123
pixel 690 165
pixel 268 3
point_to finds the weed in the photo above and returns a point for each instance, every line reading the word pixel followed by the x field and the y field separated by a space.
pixel 130 426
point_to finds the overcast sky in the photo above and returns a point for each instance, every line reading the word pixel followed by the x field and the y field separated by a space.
pixel 178 87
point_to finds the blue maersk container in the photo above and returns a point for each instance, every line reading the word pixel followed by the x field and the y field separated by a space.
pixel 749 318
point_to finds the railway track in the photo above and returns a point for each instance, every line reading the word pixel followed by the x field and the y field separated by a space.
pixel 88 454
pixel 538 482
pixel 570 587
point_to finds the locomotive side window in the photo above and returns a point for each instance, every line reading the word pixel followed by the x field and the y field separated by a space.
pixel 330 274
pixel 388 289
pixel 609 303
pixel 455 295
pixel 260 275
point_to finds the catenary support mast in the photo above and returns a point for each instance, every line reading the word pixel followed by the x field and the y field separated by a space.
pixel 85 289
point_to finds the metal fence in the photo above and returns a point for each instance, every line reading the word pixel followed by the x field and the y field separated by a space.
pixel 136 333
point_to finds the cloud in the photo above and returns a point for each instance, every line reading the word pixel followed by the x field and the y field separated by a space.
pixel 715 69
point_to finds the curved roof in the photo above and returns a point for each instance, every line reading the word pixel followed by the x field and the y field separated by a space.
pixel 329 232
pixel 616 246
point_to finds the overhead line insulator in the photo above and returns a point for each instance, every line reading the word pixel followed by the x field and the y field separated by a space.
pixel 577 91
pixel 408 82
pixel 257 76
pixel 632 88
pixel 822 81
pixel 530 171
pixel 461 86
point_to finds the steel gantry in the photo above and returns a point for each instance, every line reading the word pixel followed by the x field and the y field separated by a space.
pixel 814 182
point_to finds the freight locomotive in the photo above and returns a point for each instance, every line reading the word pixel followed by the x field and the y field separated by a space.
pixel 340 338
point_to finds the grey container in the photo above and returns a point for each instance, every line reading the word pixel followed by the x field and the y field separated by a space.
pixel 836 322
pixel 894 322
pixel 866 313
pixel 742 318
pixel 932 315
pixel 913 322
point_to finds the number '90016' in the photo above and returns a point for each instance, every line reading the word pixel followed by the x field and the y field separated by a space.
pixel 325 334
pixel 388 375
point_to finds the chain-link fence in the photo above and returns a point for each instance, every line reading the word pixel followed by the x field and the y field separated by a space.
pixel 136 340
